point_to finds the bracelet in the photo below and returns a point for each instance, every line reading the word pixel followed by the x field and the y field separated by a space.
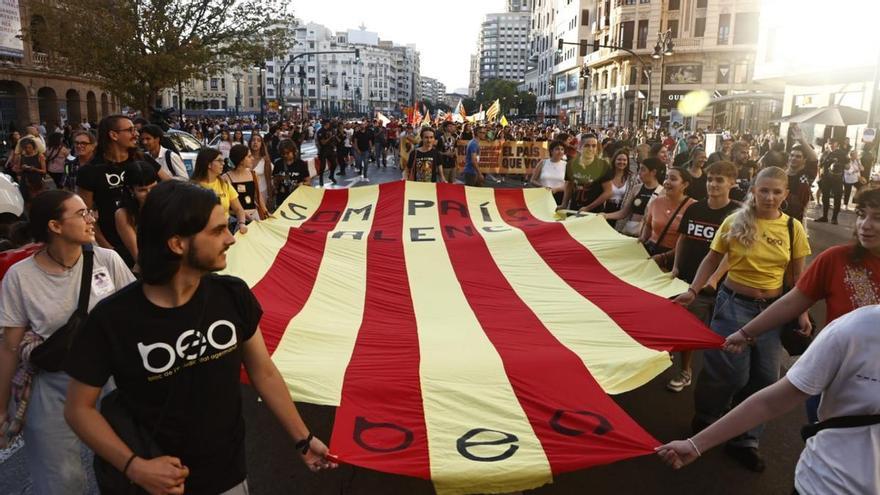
pixel 128 464
pixel 303 445
pixel 748 337
pixel 695 447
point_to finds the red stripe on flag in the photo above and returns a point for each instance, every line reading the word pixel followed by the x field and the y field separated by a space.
pixel 380 421
pixel 636 311
pixel 577 423
pixel 286 287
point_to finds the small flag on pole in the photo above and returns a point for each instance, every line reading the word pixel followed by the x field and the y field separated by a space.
pixel 504 122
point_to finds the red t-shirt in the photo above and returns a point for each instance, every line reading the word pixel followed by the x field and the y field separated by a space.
pixel 844 285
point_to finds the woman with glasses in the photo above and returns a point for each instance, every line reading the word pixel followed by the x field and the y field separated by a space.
pixel 83 152
pixel 37 297
pixel 208 169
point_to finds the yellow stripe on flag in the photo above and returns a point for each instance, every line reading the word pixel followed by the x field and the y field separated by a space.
pixel 317 344
pixel 617 361
pixel 455 351
pixel 255 251
pixel 615 251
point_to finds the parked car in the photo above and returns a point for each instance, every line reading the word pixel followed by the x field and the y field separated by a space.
pixel 187 145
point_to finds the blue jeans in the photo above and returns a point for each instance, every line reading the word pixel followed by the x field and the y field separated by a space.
pixel 52 450
pixel 728 379
pixel 361 161
pixel 379 152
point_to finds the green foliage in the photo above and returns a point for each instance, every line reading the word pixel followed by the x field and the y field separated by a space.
pixel 135 48
pixel 507 94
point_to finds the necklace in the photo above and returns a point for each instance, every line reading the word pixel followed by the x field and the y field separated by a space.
pixel 49 254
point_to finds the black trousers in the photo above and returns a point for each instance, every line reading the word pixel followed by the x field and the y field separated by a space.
pixel 832 189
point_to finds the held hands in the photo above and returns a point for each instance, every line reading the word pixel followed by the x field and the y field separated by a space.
pixel 736 342
pixel 318 456
pixel 678 454
pixel 160 476
pixel 685 298
pixel 806 326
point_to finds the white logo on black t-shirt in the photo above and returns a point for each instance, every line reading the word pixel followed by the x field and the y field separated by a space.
pixel 115 180
pixel 190 345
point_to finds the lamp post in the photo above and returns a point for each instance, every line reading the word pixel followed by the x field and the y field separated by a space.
pixel 357 100
pixel 237 75
pixel 551 87
pixel 662 49
pixel 262 66
pixel 585 79
pixel 302 93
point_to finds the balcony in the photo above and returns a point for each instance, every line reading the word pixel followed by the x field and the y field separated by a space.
pixel 41 59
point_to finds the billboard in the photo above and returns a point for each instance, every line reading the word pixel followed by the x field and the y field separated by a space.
pixel 10 29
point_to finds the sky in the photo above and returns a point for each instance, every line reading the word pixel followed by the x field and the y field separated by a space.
pixel 445 33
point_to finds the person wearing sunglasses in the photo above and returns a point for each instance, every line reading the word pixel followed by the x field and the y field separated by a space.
pixel 37 297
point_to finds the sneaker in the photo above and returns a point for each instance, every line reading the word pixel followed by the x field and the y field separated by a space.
pixel 678 383
pixel 821 220
pixel 834 221
pixel 749 457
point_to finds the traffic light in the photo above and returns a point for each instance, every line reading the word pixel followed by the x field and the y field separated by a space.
pixel 357 54
pixel 559 45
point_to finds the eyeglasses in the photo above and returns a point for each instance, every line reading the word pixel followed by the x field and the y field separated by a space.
pixel 85 212
pixel 130 130
pixel 82 143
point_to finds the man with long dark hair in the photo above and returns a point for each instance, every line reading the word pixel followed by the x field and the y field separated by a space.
pixel 174 343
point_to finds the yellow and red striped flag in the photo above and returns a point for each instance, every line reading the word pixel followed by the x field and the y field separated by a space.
pixel 465 335
pixel 493 111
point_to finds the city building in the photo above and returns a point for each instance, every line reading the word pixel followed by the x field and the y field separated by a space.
pixel 433 90
pixel 788 52
pixel 236 92
pixel 32 91
pixel 502 47
pixel 474 80
pixel 706 45
pixel 381 76
pixel 452 99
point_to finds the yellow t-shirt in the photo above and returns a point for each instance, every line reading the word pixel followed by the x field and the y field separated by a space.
pixel 762 265
pixel 224 190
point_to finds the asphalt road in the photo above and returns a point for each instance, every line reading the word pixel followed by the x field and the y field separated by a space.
pixel 274 467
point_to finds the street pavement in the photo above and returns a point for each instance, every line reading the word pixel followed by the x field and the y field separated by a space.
pixel 275 469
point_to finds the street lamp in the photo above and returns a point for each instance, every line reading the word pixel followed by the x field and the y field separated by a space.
pixel 302 93
pixel 585 79
pixel 662 49
pixel 237 75
pixel 262 66
pixel 550 87
pixel 357 100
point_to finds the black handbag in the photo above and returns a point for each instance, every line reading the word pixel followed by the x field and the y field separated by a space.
pixel 51 354
pixel 141 441
pixel 793 341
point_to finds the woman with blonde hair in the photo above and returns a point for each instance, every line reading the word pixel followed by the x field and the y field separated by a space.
pixel 762 245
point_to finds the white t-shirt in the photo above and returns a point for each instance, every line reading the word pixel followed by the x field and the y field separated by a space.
pixel 843 364
pixel 553 173
pixel 179 169
pixel 31 297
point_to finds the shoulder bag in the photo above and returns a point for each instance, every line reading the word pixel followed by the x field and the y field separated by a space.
pixel 654 248
pixel 810 430
pixel 50 355
pixel 794 342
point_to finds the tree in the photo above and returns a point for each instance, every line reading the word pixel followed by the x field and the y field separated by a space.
pixel 136 48
pixel 508 96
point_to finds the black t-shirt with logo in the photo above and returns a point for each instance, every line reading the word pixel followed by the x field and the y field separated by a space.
pixel 640 202
pixel 292 175
pixel 445 143
pixel 106 181
pixel 698 226
pixel 192 352
pixel 423 166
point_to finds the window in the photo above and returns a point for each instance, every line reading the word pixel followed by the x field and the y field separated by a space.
pixel 699 27
pixel 674 4
pixel 626 36
pixel 723 29
pixel 214 83
pixel 741 73
pixel 585 17
pixel 701 4
pixel 672 26
pixel 746 28
pixel 642 41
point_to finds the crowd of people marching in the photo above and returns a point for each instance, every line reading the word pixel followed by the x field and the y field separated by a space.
pixel 112 215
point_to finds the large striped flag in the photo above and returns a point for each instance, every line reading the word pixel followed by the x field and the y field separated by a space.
pixel 465 335
pixel 459 114
pixel 493 111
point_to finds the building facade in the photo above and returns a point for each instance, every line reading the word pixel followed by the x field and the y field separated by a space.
pixel 235 92
pixel 502 47
pixel 32 91
pixel 433 90
pixel 384 78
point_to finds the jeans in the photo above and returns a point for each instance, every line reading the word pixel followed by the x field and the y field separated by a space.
pixel 832 189
pixel 52 449
pixel 379 151
pixel 360 161
pixel 728 379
